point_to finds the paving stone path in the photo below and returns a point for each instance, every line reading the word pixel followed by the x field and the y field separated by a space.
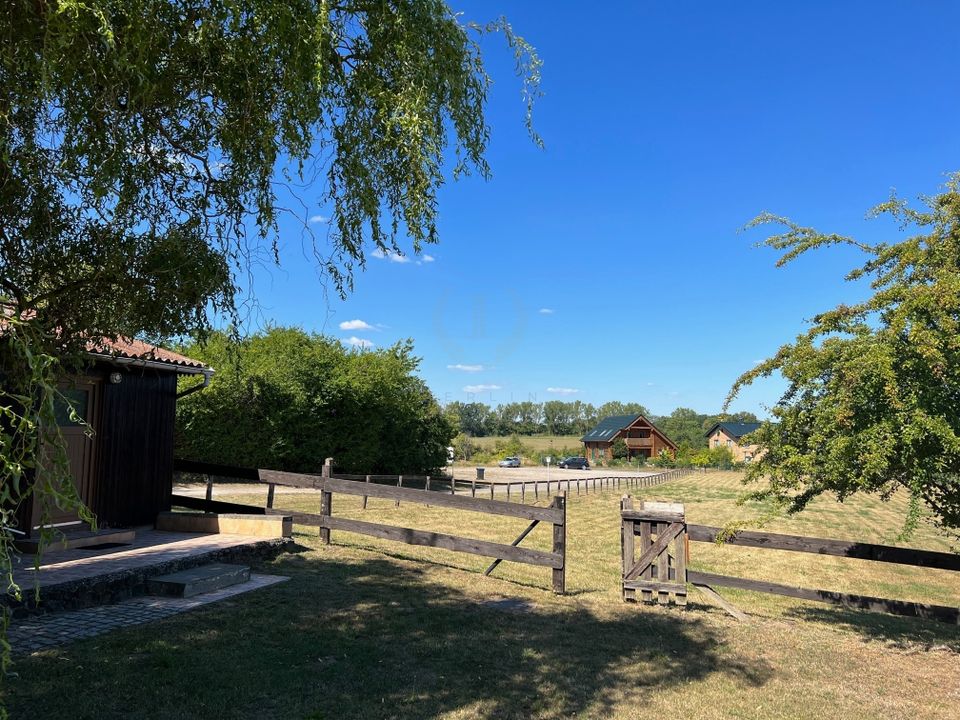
pixel 41 632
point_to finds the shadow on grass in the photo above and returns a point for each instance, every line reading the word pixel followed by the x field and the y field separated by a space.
pixel 903 632
pixel 376 639
pixel 544 584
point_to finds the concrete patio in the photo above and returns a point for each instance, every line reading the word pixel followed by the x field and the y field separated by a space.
pixel 82 577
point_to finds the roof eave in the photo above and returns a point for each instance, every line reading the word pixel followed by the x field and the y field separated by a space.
pixel 153 364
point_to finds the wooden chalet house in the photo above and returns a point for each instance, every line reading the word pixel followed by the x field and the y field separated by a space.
pixel 643 439
pixel 124 471
pixel 730 435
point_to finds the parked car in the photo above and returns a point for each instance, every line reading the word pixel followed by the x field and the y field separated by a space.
pixel 512 461
pixel 574 463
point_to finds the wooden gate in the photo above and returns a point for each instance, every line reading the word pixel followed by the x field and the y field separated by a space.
pixel 660 572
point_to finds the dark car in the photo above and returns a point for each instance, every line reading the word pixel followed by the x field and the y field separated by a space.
pixel 574 463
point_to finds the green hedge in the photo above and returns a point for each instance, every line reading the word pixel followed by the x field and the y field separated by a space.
pixel 286 399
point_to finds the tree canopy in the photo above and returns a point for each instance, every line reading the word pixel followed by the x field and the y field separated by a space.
pixel 287 399
pixel 874 387
pixel 145 144
pixel 148 149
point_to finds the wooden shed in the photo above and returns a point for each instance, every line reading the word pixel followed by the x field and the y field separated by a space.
pixel 124 469
pixel 642 438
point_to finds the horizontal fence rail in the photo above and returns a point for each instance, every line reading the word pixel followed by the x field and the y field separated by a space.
pixel 514 490
pixel 448 542
pixel 659 570
pixel 837 548
pixel 329 486
pixel 943 613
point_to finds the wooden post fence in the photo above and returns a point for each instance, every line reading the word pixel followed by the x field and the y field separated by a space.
pixel 555 514
pixel 661 569
pixel 326 502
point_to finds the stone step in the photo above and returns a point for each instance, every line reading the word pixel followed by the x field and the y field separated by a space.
pixel 79 538
pixel 195 581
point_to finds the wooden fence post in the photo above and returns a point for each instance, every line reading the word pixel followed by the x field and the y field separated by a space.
pixel 473 488
pixel 627 547
pixel 270 490
pixel 523 492
pixel 326 502
pixel 400 485
pixel 209 494
pixel 365 497
pixel 560 545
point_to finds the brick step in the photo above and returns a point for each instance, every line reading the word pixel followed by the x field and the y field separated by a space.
pixel 201 579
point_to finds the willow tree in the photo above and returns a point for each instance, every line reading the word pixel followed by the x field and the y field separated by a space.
pixel 873 397
pixel 149 147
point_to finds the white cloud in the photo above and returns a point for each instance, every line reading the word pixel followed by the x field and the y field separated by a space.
pixel 545 311
pixel 563 390
pixel 358 342
pixel 480 388
pixel 323 219
pixel 390 255
pixel 356 325
pixel 428 258
pixel 465 368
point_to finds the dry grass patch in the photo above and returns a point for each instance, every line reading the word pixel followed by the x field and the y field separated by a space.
pixel 373 629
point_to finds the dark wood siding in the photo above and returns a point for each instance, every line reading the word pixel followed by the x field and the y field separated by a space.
pixel 136 448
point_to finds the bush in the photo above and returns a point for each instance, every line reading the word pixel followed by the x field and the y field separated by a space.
pixel 721 457
pixel 619 449
pixel 286 399
pixel 463 447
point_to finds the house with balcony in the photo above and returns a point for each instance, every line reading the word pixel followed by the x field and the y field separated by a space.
pixel 642 438
pixel 731 435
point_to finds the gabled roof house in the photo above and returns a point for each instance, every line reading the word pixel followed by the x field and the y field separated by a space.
pixel 642 438
pixel 730 435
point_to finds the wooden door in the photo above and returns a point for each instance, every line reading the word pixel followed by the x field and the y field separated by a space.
pixel 84 397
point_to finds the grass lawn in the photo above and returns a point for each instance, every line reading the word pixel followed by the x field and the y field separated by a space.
pixel 367 629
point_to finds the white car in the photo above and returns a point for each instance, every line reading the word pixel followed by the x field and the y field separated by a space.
pixel 509 462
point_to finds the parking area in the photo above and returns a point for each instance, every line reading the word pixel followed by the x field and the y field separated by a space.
pixel 529 474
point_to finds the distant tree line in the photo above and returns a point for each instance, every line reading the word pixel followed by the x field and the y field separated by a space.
pixel 684 426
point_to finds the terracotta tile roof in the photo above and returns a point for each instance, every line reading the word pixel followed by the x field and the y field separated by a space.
pixel 138 350
pixel 122 348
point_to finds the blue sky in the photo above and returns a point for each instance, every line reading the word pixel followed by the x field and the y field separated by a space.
pixel 610 265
